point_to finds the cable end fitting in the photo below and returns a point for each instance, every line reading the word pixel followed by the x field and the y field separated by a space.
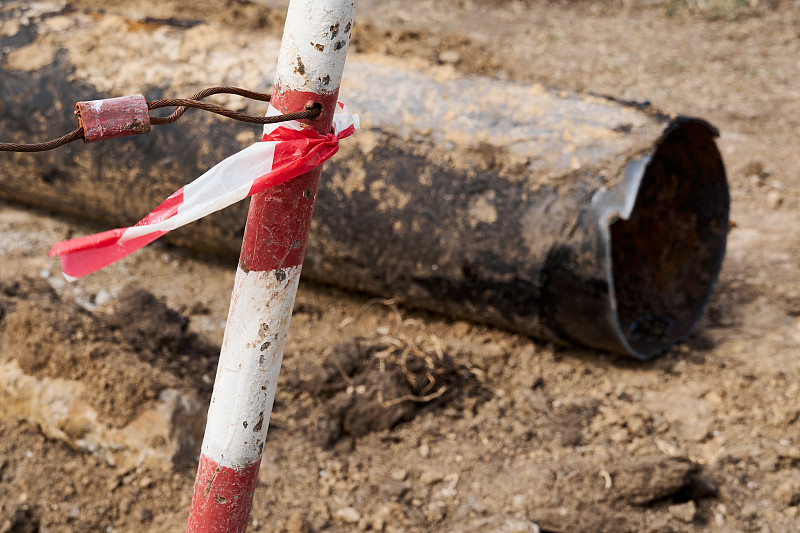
pixel 113 117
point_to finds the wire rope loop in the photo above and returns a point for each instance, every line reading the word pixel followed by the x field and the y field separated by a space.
pixel 310 112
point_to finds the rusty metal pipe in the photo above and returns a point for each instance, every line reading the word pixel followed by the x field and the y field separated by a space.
pixel 567 217
pixel 626 269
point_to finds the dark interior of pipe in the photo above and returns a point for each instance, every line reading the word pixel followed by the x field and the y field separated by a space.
pixel 666 257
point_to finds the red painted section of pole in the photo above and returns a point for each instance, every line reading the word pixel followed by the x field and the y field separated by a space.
pixel 310 68
pixel 286 100
pixel 279 218
pixel 277 224
pixel 222 497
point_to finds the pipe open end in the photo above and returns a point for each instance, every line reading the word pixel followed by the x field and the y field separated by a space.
pixel 667 254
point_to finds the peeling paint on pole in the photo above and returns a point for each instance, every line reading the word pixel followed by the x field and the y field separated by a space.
pixel 314 47
pixel 254 343
pixel 310 69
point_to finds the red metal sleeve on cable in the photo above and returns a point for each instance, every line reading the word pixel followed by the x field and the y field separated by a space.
pixel 113 117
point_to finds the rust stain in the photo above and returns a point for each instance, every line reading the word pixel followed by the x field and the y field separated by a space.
pixel 220 499
pixel 320 47
pixel 211 481
pixel 300 68
pixel 260 422
pixel 138 25
pixel 137 124
pixel 335 29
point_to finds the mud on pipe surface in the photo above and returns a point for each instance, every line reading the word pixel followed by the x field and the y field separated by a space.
pixel 570 218
pixel 628 269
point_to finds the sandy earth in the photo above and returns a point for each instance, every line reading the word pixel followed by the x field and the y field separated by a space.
pixel 514 432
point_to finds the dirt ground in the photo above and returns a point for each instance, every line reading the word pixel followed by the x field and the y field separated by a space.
pixel 513 432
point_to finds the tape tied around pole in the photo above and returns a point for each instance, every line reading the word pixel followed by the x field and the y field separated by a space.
pixel 287 150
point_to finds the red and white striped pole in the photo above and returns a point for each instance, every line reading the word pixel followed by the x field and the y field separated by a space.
pixel 310 66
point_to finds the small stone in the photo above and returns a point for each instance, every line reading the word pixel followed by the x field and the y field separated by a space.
pixel 398 474
pixel 394 490
pixel 504 524
pixel 320 516
pixel 379 518
pixel 450 57
pixel 102 297
pixel 518 502
pixel 425 451
pixel 348 515
pixel 297 524
pixel 492 350
pixel 637 426
pixel 429 477
pixel 774 199
pixel 619 435
pixel 681 367
pixel 436 511
pixel 788 492
pixel 460 329
pixel 685 512
pixel 124 506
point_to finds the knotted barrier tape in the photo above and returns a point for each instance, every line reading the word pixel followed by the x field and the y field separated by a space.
pixel 287 150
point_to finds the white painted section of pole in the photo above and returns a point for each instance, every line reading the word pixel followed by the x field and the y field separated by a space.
pixel 314 45
pixel 249 365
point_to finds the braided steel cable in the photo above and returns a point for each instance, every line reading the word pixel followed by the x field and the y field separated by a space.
pixel 311 111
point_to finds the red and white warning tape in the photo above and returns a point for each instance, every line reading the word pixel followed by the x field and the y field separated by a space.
pixel 287 150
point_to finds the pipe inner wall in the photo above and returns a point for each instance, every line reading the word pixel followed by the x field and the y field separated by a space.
pixel 667 253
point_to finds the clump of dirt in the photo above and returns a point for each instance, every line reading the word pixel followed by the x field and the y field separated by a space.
pixel 125 356
pixel 468 55
pixel 179 14
pixel 22 519
pixel 369 385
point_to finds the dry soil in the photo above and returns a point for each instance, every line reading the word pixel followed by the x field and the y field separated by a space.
pixel 506 432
